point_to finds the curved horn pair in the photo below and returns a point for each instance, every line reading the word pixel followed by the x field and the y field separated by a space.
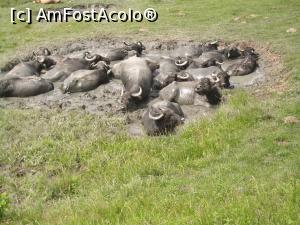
pixel 183 76
pixel 89 58
pixel 177 63
pixel 158 117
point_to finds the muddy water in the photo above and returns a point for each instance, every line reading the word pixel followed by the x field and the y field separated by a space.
pixel 105 100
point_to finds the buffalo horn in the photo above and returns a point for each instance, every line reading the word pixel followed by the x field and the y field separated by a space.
pixel 137 94
pixel 181 64
pixel 156 117
pixel 183 76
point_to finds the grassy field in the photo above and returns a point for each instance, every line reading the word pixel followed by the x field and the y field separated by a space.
pixel 242 166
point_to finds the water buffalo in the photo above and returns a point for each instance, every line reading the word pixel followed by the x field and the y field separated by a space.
pixel 167 74
pixel 245 66
pixel 24 86
pixel 211 58
pixel 231 52
pixel 136 76
pixel 44 55
pixel 42 51
pixel 162 117
pixel 207 59
pixel 128 50
pixel 69 65
pixel 138 47
pixel 86 80
pixel 203 92
pixel 209 46
pixel 215 73
pixel 25 69
pixel 195 50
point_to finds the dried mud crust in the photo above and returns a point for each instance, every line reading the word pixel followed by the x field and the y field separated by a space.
pixel 105 100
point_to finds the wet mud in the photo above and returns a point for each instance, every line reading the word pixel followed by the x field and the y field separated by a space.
pixel 105 100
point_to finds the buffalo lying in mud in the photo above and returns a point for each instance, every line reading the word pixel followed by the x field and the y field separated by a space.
pixel 24 87
pixel 195 50
pixel 45 56
pixel 246 65
pixel 136 76
pixel 213 72
pixel 42 61
pixel 203 92
pixel 168 72
pixel 209 58
pixel 69 65
pixel 25 69
pixel 86 80
pixel 128 50
pixel 162 117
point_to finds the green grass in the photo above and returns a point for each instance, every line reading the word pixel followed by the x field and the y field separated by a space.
pixel 241 166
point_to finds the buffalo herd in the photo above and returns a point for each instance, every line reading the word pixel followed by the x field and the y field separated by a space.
pixel 190 75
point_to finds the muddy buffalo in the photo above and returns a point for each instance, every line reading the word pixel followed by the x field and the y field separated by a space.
pixel 195 50
pixel 86 80
pixel 24 87
pixel 25 69
pixel 162 117
pixel 245 66
pixel 231 52
pixel 204 93
pixel 167 74
pixel 69 65
pixel 136 76
pixel 216 74
pixel 126 51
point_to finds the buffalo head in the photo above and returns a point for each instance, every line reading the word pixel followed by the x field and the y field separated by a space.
pixel 93 59
pixel 210 46
pixel 138 47
pixel 129 98
pixel 231 52
pixel 209 88
pixel 222 79
pixel 205 85
pixel 183 62
pixel 162 117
